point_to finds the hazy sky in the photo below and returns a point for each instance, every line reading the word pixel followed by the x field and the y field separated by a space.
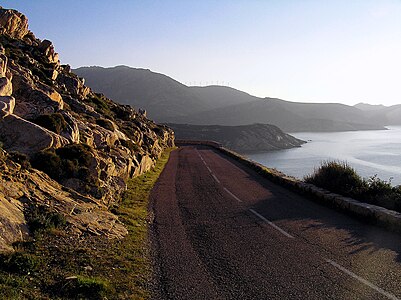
pixel 313 51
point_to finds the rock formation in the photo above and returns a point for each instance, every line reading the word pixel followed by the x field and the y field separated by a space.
pixel 81 145
pixel 244 139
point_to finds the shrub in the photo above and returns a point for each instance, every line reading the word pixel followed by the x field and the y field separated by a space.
pixel 99 103
pixel 49 162
pixel 54 122
pixel 40 218
pixel 21 159
pixel 337 177
pixel 340 178
pixel 121 113
pixel 64 162
pixel 87 287
pixel 71 161
pixel 19 262
pixel 81 153
pixel 105 124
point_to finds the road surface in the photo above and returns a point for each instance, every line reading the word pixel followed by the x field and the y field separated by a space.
pixel 221 231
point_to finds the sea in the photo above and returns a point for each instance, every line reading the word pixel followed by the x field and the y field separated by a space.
pixel 370 153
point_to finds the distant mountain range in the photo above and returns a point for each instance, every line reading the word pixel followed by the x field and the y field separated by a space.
pixel 167 100
pixel 388 115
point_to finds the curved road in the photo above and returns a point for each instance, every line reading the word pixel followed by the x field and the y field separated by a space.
pixel 220 231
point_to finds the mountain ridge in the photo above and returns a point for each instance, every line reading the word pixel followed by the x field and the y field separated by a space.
pixel 218 105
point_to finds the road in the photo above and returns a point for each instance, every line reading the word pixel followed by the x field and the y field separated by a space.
pixel 221 231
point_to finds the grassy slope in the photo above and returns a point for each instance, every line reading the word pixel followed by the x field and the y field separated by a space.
pixel 58 265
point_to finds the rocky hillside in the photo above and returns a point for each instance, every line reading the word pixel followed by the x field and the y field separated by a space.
pixel 167 100
pixel 66 151
pixel 246 138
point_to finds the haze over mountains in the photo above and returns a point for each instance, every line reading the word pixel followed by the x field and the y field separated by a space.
pixel 167 100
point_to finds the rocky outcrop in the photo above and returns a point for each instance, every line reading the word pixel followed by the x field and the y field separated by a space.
pixel 13 23
pixel 246 138
pixel 86 144
pixel 18 134
pixel 22 189
pixel 47 48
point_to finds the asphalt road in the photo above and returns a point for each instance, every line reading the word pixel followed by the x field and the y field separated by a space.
pixel 220 231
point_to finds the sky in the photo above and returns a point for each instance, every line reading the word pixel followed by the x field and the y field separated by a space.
pixel 309 51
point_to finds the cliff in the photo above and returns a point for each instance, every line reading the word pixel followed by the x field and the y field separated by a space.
pixel 65 149
pixel 246 138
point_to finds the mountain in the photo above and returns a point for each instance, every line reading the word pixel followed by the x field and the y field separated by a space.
pixel 369 107
pixel 388 115
pixel 288 116
pixel 245 138
pixel 65 150
pixel 167 100
pixel 163 97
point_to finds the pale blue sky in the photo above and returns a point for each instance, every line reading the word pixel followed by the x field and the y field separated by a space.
pixel 312 51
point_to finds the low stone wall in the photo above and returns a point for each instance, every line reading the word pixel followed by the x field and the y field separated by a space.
pixel 194 142
pixel 366 212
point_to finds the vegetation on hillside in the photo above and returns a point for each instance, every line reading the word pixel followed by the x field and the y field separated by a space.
pixel 55 264
pixel 340 178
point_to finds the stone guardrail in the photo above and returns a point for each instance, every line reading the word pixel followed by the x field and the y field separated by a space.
pixel 366 212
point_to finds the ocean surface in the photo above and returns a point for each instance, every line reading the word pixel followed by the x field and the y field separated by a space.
pixel 373 152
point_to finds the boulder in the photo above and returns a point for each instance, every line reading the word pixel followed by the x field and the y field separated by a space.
pixel 47 49
pixel 72 131
pixel 73 85
pixel 13 23
pixel 13 225
pixel 23 136
pixel 34 101
pixel 6 88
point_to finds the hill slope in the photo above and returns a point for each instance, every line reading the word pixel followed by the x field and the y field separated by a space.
pixel 388 115
pixel 163 97
pixel 65 149
pixel 289 116
pixel 167 100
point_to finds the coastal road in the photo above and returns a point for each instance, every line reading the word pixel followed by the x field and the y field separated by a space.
pixel 220 231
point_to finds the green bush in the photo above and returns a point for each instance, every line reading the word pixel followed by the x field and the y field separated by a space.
pixel 87 287
pixel 100 103
pixel 81 153
pixel 40 218
pixel 54 122
pixel 340 178
pixel 65 162
pixel 19 262
pixel 122 113
pixel 49 162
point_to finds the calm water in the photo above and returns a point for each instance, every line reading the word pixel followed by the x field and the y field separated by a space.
pixel 369 152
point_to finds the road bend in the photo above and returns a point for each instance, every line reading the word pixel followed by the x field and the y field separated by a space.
pixel 221 231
